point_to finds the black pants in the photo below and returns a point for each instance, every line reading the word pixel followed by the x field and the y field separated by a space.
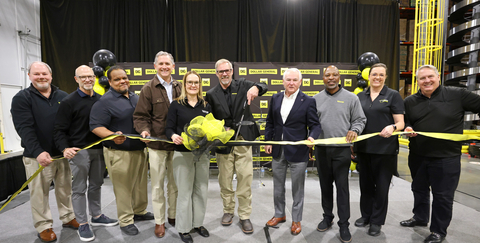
pixel 333 164
pixel 376 172
pixel 441 175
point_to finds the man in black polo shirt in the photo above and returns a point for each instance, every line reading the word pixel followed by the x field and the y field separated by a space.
pixel 124 157
pixel 435 163
pixel 71 133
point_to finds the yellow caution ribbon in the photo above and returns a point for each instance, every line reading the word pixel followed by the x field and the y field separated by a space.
pixel 338 140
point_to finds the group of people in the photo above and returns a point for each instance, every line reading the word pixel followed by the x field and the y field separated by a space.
pixel 336 112
pixel 51 122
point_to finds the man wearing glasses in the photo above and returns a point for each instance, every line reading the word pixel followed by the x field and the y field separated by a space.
pixel 228 100
pixel 71 133
pixel 150 119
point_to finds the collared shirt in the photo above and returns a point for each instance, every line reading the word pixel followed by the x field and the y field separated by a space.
pixel 168 87
pixel 72 121
pixel 379 113
pixel 287 104
pixel 114 111
pixel 83 95
pixel 443 112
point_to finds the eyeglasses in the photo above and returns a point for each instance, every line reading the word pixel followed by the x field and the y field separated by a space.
pixel 191 83
pixel 83 78
pixel 381 75
pixel 224 71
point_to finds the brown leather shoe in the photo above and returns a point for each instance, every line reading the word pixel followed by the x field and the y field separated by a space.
pixel 72 224
pixel 171 221
pixel 227 219
pixel 274 221
pixel 160 230
pixel 47 235
pixel 296 228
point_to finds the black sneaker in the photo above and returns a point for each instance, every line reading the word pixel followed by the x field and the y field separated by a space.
pixel 103 220
pixel 147 216
pixel 325 225
pixel 85 233
pixel 130 229
pixel 345 235
pixel 187 238
pixel 361 222
pixel 374 230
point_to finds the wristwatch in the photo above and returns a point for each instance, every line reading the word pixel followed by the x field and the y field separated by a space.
pixel 394 127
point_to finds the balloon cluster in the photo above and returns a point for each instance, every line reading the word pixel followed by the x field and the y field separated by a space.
pixel 102 60
pixel 365 61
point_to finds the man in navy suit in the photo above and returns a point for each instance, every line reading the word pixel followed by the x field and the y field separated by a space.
pixel 292 116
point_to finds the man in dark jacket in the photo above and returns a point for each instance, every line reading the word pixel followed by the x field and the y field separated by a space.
pixel 33 112
pixel 435 163
pixel 228 100
pixel 292 116
pixel 149 119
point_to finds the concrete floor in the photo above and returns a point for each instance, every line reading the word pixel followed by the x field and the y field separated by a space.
pixel 16 223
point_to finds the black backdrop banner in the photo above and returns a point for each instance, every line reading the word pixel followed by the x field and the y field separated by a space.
pixel 267 72
pixel 326 31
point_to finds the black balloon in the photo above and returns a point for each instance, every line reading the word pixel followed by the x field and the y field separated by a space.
pixel 367 59
pixel 103 80
pixel 362 83
pixel 359 76
pixel 98 71
pixel 104 58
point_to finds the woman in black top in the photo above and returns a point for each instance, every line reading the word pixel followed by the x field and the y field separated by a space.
pixel 190 172
pixel 377 156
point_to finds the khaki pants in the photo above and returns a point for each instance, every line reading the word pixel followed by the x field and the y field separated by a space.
pixel 161 164
pixel 239 161
pixel 128 172
pixel 58 172
pixel 191 177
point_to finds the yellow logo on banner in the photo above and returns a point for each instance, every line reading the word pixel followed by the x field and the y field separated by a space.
pixel 137 92
pixel 276 82
pixel 310 71
pixel 264 115
pixel 318 82
pixel 264 104
pixel 269 158
pixel 306 82
pixel 173 71
pixel 256 115
pixel 138 82
pixel 204 93
pixel 127 71
pixel 262 148
pixel 137 71
pixel 242 71
pixel 270 93
pixel 204 71
pixel 349 72
pixel 340 81
pixel 150 71
pixel 282 70
pixel 182 70
pixel 310 93
pixel 205 81
pixel 262 127
pixel 348 82
pixel 262 71
pixel 262 137
pixel 264 80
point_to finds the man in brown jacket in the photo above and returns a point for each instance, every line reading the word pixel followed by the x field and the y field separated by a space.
pixel 150 119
